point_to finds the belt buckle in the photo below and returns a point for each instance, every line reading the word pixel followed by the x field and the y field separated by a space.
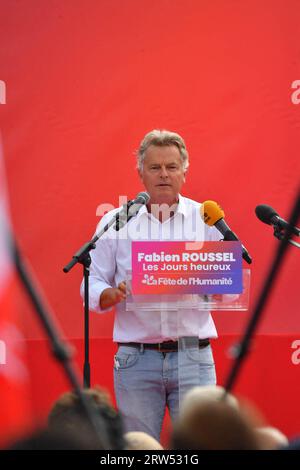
pixel 161 348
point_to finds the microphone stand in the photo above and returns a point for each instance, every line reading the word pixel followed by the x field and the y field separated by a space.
pixel 82 256
pixel 59 349
pixel 241 350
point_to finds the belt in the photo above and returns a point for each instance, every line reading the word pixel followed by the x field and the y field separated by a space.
pixel 168 346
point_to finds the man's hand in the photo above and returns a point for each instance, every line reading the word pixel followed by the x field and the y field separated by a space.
pixel 113 295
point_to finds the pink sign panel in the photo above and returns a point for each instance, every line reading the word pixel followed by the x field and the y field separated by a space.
pixel 186 267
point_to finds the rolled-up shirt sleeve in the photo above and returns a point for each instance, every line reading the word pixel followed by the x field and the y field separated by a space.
pixel 102 269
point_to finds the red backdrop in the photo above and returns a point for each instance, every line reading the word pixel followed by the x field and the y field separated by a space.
pixel 85 80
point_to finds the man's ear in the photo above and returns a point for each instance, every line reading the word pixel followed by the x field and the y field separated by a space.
pixel 140 174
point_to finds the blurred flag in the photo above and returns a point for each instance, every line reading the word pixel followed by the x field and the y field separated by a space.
pixel 14 377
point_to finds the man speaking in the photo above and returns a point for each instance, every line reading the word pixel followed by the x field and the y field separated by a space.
pixel 146 373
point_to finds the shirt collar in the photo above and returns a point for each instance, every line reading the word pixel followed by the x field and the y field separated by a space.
pixel 181 208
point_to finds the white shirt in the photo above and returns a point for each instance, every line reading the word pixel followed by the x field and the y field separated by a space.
pixel 112 258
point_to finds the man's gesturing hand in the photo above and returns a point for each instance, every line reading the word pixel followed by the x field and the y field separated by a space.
pixel 113 295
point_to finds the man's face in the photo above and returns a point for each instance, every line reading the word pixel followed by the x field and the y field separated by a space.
pixel 163 174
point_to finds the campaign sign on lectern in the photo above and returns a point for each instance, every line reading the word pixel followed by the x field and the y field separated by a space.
pixel 186 268
pixel 174 286
pixel 187 275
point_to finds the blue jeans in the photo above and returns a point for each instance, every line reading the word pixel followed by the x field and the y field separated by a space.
pixel 146 381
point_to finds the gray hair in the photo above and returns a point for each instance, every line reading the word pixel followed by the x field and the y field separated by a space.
pixel 162 138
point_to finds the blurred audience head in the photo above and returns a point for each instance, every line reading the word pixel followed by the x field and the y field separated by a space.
pixel 212 424
pixel 270 438
pixel 206 394
pixel 141 441
pixel 47 439
pixel 67 415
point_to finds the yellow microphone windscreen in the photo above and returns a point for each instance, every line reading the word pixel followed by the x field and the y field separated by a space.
pixel 211 212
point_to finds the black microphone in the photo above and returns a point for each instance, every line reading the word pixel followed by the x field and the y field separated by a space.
pixel 130 209
pixel 213 214
pixel 269 216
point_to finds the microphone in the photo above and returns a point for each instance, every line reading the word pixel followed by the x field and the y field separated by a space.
pixel 213 214
pixel 269 216
pixel 130 209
